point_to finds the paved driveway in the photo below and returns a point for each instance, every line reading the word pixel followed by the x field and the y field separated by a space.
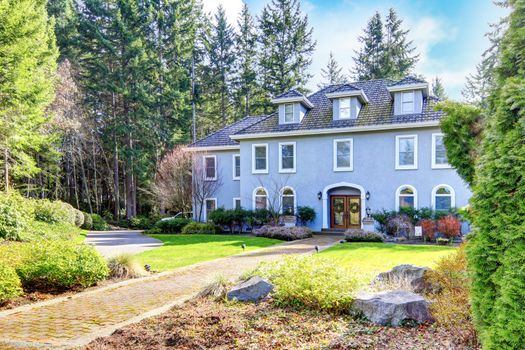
pixel 111 243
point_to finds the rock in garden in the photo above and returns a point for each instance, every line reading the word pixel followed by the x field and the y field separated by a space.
pixel 251 290
pixel 415 276
pixel 394 307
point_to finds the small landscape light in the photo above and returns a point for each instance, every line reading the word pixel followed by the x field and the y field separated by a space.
pixel 317 248
pixel 147 267
pixel 319 195
pixel 243 246
pixel 342 241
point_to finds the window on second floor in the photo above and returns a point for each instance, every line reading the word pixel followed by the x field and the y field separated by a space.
pixel 344 108
pixel 260 158
pixel 439 153
pixel 407 102
pixel 236 166
pixel 343 154
pixel 406 152
pixel 287 157
pixel 210 168
pixel 288 113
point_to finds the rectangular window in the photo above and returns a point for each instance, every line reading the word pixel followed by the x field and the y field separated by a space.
pixel 236 166
pixel 210 206
pixel 260 159
pixel 343 155
pixel 288 113
pixel 287 157
pixel 439 153
pixel 406 152
pixel 344 108
pixel 210 168
pixel 407 102
pixel 236 203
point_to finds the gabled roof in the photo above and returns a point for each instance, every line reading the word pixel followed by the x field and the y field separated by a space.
pixel 346 87
pixel 409 80
pixel 289 93
pixel 293 96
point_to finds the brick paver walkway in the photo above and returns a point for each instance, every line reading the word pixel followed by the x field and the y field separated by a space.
pixel 70 322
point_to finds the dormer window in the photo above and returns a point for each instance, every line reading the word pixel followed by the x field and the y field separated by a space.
pixel 288 113
pixel 407 103
pixel 344 108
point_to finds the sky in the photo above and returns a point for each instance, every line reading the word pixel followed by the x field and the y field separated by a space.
pixel 449 35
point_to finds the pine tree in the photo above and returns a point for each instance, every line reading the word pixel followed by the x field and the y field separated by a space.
pixel 332 73
pixel 438 89
pixel 369 58
pixel 27 70
pixel 286 47
pixel 66 22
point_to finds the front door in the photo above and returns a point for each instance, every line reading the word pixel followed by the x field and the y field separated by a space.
pixel 345 211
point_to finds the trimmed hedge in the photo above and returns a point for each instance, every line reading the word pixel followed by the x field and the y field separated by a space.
pixel 172 226
pixel 54 212
pixel 200 228
pixel 15 216
pixel 88 221
pixel 98 223
pixel 10 285
pixel 284 233
pixel 358 235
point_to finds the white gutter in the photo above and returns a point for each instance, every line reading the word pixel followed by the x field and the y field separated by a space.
pixel 419 86
pixel 354 129
pixel 212 148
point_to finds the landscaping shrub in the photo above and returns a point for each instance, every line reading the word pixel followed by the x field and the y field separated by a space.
pixel 428 226
pixel 125 266
pixel 172 225
pixel 99 224
pixel 382 217
pixel 358 235
pixel 442 241
pixel 141 222
pixel 449 226
pixel 15 215
pixel 258 217
pixel 310 282
pixel 399 226
pixel 54 212
pixel 305 215
pixel 39 230
pixel 79 218
pixel 283 233
pixel 88 221
pixel 200 228
pixel 60 265
pixel 10 285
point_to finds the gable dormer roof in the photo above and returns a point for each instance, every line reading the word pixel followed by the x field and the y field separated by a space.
pixel 348 90
pixel 409 83
pixel 292 95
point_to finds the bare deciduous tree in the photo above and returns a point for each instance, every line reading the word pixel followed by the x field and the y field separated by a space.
pixel 202 187
pixel 274 188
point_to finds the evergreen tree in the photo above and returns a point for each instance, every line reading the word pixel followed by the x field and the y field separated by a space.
pixel 27 70
pixel 332 73
pixel 66 22
pixel 369 59
pixel 286 47
pixel 438 89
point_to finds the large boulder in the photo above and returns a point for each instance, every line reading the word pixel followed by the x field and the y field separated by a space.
pixel 393 307
pixel 415 276
pixel 251 290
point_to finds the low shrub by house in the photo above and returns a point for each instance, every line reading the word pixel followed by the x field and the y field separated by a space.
pixel 449 226
pixel 15 216
pixel 125 266
pixel 60 265
pixel 428 226
pixel 10 285
pixel 399 226
pixel 141 222
pixel 311 282
pixel 358 235
pixel 172 225
pixel 54 212
pixel 98 223
pixel 283 233
pixel 231 219
pixel 200 228
pixel 88 221
pixel 305 215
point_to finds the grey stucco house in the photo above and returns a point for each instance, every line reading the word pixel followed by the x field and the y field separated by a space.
pixel 345 150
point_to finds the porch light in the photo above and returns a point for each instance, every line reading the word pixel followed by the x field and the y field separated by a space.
pixel 368 211
pixel 319 195
pixel 367 195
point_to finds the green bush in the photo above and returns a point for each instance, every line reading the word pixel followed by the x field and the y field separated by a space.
pixel 358 235
pixel 39 230
pixel 382 217
pixel 172 225
pixel 312 282
pixel 79 218
pixel 88 221
pixel 10 285
pixel 200 228
pixel 141 222
pixel 60 265
pixel 54 212
pixel 99 224
pixel 125 266
pixel 305 215
pixel 15 216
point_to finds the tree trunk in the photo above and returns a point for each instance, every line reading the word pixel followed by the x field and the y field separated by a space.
pixel 116 185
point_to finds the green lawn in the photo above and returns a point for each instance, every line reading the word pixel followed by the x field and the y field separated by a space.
pixel 182 250
pixel 368 259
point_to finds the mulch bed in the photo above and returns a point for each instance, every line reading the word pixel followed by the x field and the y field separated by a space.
pixel 206 324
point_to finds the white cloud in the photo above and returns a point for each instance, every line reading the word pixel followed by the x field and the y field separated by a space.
pixel 231 7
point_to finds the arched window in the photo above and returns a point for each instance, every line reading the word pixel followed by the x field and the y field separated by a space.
pixel 260 198
pixel 443 197
pixel 406 197
pixel 288 201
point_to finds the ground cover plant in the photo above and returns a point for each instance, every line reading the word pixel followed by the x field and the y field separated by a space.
pixel 283 232
pixel 358 235
pixel 182 250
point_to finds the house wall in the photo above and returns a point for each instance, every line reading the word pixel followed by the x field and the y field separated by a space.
pixel 373 171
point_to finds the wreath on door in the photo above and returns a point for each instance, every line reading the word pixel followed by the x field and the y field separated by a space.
pixel 354 208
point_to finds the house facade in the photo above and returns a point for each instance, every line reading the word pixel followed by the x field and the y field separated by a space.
pixel 347 150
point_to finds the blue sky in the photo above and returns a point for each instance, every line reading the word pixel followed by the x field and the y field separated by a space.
pixel 448 35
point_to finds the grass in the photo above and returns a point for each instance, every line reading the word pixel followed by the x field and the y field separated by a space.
pixel 182 250
pixel 368 259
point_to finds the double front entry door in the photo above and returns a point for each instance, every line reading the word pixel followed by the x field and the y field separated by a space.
pixel 345 211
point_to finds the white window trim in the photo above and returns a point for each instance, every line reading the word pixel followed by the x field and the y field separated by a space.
pixel 406 167
pixel 204 166
pixel 413 102
pixel 452 195
pixel 434 164
pixel 254 196
pixel 293 113
pixel 294 198
pixel 349 108
pixel 206 207
pixel 398 194
pixel 233 166
pixel 351 167
pixel 293 170
pixel 235 199
pixel 260 171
